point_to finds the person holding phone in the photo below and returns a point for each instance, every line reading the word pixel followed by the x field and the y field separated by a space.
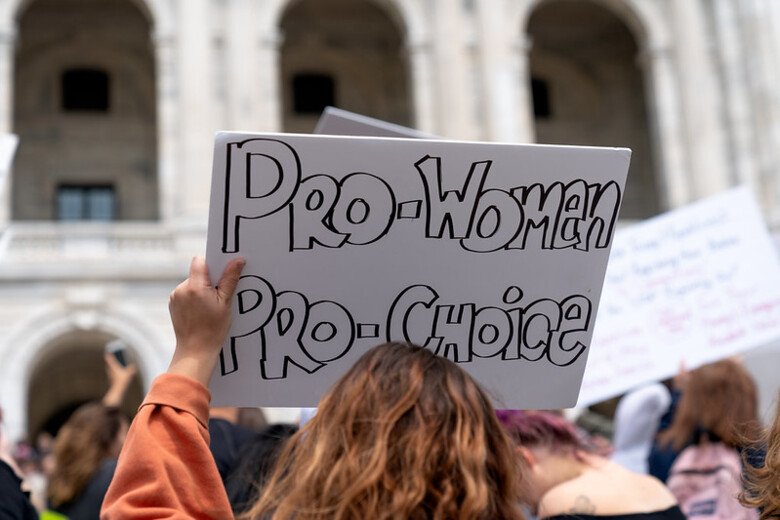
pixel 87 447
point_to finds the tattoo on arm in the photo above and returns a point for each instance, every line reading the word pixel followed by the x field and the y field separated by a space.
pixel 583 505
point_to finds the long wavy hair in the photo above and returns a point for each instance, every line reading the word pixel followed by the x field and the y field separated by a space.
pixel 82 444
pixel 720 400
pixel 762 483
pixel 404 434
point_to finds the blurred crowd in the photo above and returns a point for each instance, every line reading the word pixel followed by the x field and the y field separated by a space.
pixel 694 441
pixel 403 434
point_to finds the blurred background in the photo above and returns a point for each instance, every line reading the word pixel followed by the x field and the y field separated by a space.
pixel 116 102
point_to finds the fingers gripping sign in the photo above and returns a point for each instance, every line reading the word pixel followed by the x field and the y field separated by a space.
pixel 201 315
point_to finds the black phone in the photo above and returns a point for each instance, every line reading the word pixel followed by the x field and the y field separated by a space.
pixel 117 349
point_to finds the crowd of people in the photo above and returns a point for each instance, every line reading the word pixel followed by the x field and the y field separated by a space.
pixel 403 434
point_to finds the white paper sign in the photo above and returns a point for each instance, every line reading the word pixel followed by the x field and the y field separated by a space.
pixel 697 284
pixel 8 143
pixel 491 255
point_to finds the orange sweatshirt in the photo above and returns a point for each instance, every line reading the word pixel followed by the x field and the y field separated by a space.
pixel 165 469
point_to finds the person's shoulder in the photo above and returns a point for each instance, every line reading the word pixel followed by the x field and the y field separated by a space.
pixel 568 498
pixel 610 490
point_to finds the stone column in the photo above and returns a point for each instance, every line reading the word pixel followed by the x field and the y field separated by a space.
pixel 7 43
pixel 702 100
pixel 196 102
pixel 760 21
pixel 665 119
pixel 268 81
pixel 736 91
pixel 421 76
pixel 243 98
pixel 520 75
pixel 499 76
pixel 452 80
pixel 167 86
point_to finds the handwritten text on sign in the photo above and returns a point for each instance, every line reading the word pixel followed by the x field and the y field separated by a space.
pixel 490 255
pixel 696 285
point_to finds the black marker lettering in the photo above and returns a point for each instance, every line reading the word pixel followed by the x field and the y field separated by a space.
pixel 450 212
pixel 255 302
pixel 286 330
pixel 250 165
pixel 365 208
pixel 310 214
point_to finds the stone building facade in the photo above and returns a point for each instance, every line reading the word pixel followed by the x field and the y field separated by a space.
pixel 116 103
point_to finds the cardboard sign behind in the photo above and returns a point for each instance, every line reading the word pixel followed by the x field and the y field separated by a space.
pixel 697 284
pixel 491 255
pixel 335 121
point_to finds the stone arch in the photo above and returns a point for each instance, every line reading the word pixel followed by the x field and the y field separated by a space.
pixel 68 372
pixel 37 338
pixel 645 20
pixel 112 149
pixel 14 9
pixel 405 13
pixel 367 62
pixel 583 62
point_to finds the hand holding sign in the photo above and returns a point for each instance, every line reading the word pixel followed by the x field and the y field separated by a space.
pixel 201 318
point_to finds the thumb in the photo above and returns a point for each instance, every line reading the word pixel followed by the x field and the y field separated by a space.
pixel 229 281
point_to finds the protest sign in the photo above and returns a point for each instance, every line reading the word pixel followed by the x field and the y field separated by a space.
pixel 335 121
pixel 696 285
pixel 492 255
pixel 8 144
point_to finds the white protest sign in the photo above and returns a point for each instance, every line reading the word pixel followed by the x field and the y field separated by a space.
pixel 492 255
pixel 697 284
pixel 335 121
pixel 8 143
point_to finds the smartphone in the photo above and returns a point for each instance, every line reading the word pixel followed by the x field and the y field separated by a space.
pixel 118 349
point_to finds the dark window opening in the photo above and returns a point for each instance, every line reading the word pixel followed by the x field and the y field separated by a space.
pixel 85 90
pixel 540 92
pixel 312 93
pixel 86 202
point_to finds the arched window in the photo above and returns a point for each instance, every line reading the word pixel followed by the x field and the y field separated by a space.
pixel 85 90
pixel 361 48
pixel 312 93
pixel 588 89
pixel 53 391
pixel 540 92
pixel 85 112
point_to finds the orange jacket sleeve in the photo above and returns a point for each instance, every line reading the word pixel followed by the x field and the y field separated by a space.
pixel 165 469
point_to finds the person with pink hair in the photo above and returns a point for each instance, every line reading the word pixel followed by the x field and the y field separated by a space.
pixel 563 479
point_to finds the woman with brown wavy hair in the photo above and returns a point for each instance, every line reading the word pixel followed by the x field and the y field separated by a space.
pixel 85 453
pixel 720 401
pixel 762 482
pixel 718 409
pixel 87 447
pixel 403 434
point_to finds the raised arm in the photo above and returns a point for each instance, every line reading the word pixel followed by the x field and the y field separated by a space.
pixel 119 379
pixel 165 469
